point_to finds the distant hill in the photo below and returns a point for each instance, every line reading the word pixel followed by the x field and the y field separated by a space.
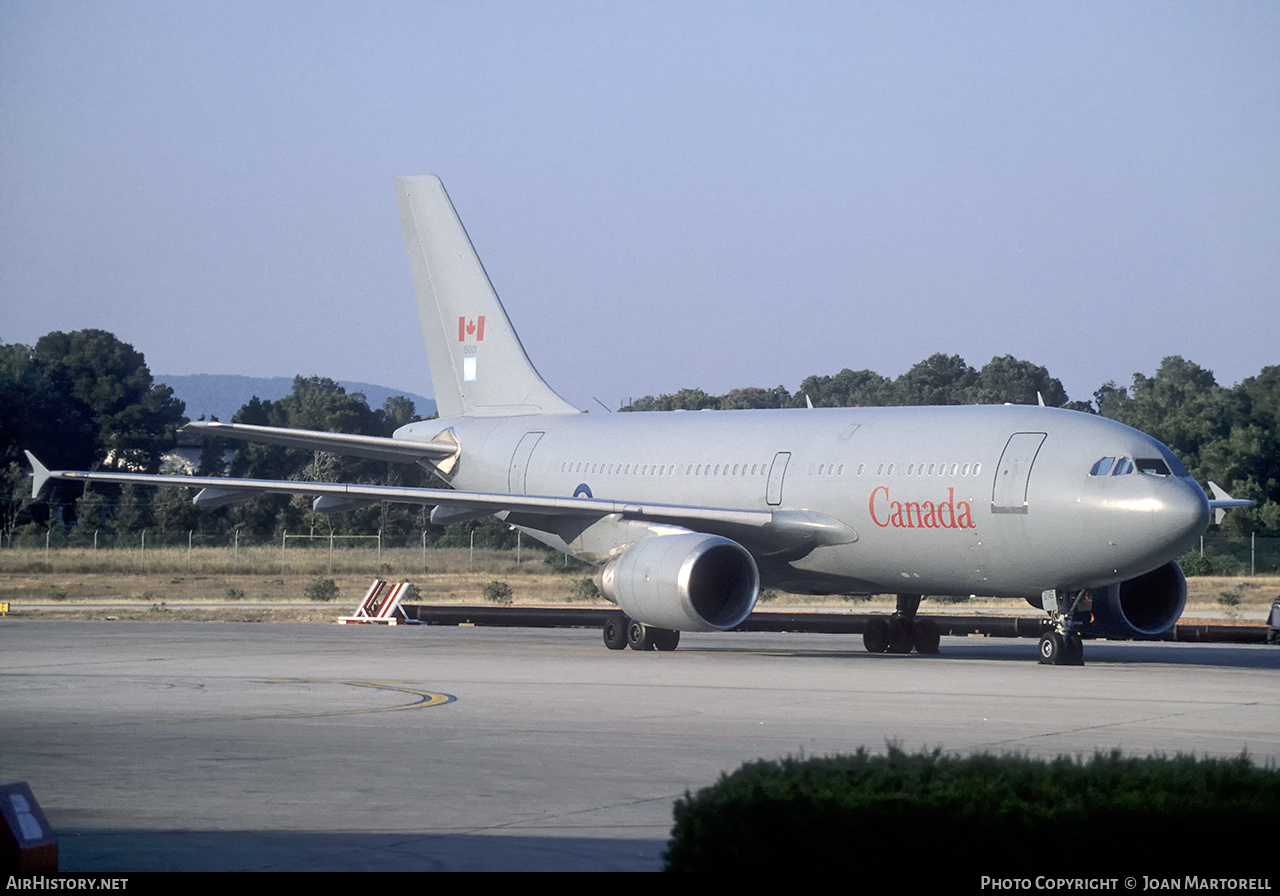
pixel 221 395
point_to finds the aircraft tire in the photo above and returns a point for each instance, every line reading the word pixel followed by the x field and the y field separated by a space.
pixel 1052 648
pixel 875 637
pixel 664 638
pixel 615 632
pixel 901 635
pixel 927 636
pixel 1073 650
pixel 639 637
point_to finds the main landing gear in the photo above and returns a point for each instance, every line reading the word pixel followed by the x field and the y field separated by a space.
pixel 621 632
pixel 902 631
pixel 1061 645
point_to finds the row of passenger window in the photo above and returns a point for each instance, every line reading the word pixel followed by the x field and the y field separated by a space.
pixel 824 469
pixel 935 469
pixel 665 469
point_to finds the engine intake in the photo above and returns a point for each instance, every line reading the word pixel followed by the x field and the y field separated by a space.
pixel 686 582
pixel 1143 607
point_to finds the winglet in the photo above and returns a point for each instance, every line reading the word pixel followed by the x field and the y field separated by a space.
pixel 39 474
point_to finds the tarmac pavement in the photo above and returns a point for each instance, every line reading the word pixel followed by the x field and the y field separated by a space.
pixel 208 746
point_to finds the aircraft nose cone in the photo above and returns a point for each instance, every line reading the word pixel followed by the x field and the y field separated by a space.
pixel 1183 512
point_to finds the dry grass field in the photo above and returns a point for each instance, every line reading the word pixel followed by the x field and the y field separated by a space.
pixel 258 585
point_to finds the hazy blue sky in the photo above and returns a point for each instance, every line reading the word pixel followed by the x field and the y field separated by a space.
pixel 664 194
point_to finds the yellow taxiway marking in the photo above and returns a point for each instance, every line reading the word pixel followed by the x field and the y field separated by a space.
pixel 424 699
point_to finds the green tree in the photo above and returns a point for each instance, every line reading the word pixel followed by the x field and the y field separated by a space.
pixel 754 397
pixel 319 403
pixel 132 419
pixel 131 513
pixel 15 488
pixel 847 389
pixel 174 513
pixel 1005 379
pixel 684 400
pixel 397 411
pixel 81 400
pixel 937 380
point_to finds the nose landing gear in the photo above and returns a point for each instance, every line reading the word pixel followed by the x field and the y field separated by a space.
pixel 1062 645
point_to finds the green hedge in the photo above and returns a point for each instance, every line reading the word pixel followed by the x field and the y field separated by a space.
pixel 982 814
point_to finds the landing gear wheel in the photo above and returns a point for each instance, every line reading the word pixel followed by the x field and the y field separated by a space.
pixel 1052 648
pixel 927 636
pixel 1073 652
pixel 901 636
pixel 1060 643
pixel 664 638
pixel 615 632
pixel 875 637
pixel 639 636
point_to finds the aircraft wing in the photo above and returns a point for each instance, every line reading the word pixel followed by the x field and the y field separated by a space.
pixel 375 447
pixel 778 529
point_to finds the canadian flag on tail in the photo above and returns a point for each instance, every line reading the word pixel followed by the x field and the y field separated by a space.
pixel 471 330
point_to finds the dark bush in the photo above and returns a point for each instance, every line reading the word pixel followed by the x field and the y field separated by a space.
pixel 498 592
pixel 322 590
pixel 983 814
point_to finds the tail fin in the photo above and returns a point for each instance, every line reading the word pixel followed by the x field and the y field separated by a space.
pixel 478 365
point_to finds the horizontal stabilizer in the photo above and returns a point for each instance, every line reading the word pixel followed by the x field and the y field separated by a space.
pixel 1222 502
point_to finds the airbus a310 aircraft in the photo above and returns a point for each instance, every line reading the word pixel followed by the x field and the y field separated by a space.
pixel 687 515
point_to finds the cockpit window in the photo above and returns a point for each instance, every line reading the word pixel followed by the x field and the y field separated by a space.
pixel 1175 465
pixel 1152 466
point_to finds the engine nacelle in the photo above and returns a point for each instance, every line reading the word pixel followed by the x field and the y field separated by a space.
pixel 1143 607
pixel 686 582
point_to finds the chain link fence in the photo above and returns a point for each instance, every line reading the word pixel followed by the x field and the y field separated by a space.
pixel 1233 555
pixel 241 554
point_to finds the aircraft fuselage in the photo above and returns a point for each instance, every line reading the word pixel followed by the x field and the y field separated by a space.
pixel 999 500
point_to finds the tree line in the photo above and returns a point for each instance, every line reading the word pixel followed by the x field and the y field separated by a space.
pixel 86 400
pixel 937 380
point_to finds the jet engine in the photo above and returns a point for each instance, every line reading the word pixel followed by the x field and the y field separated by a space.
pixel 684 582
pixel 1143 607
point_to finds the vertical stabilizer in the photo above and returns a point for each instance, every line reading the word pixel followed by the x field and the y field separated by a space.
pixel 478 365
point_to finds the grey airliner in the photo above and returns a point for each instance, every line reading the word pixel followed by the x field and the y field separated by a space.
pixel 688 515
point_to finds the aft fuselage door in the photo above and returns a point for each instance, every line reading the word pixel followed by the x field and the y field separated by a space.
pixel 520 462
pixel 1009 493
pixel 773 492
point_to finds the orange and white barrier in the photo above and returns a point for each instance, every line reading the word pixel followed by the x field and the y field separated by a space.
pixel 381 604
